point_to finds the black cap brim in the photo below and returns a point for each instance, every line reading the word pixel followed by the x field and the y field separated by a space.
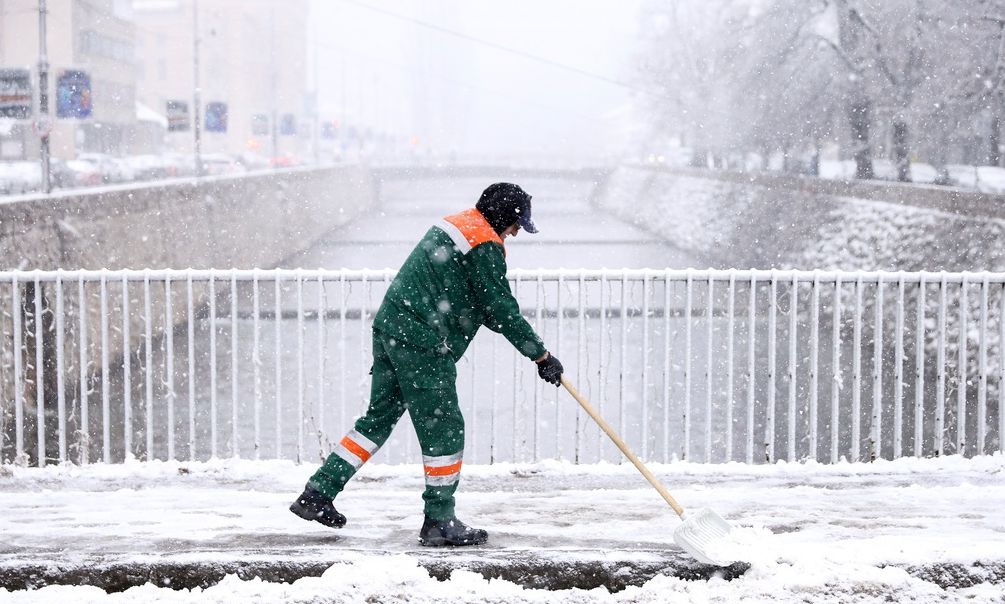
pixel 527 224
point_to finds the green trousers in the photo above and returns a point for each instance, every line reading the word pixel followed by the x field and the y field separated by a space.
pixel 423 383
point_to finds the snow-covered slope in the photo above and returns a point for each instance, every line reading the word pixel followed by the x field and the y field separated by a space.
pixel 745 224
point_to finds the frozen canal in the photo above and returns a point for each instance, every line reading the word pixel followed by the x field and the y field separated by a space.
pixel 572 233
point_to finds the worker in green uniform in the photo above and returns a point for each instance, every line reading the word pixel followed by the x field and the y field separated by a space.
pixel 452 283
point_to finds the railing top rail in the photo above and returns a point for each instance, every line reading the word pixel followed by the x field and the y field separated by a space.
pixel 739 275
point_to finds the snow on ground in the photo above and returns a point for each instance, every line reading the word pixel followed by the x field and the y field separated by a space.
pixel 841 533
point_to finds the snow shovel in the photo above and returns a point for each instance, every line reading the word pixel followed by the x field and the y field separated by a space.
pixel 703 534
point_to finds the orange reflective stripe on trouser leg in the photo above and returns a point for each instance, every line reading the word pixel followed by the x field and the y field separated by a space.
pixel 442 470
pixel 355 449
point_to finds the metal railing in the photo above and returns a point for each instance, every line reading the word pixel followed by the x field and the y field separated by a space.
pixel 709 366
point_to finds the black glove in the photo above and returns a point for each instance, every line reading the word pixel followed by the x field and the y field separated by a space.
pixel 550 369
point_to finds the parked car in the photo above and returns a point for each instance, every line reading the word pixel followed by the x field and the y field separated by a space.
pixel 986 179
pixel 61 176
pixel 178 164
pixel 284 161
pixel 214 164
pixel 146 167
pixel 253 161
pixel 17 177
pixel 925 173
pixel 83 173
pixel 111 170
pixel 124 169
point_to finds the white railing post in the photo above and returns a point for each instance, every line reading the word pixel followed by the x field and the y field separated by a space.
pixel 667 384
pixel 15 311
pixel 300 364
pixel 277 307
pixel 688 301
pixel 1001 373
pixel 190 312
pixel 814 364
pixel 518 454
pixel 919 371
pixel 645 368
pixel 623 382
pixel 940 387
pixel 213 428
pixel 322 358
pixel 708 369
pixel 343 308
pixel 256 362
pixel 559 319
pixel 148 366
pixel 730 339
pixel 127 385
pixel 856 400
pixel 982 367
pixel 61 366
pixel 769 433
pixel 581 365
pixel 235 450
pixel 751 366
pixel 40 377
pixel 836 377
pixel 169 366
pixel 877 376
pixel 793 360
pixel 106 416
pixel 961 380
pixel 898 368
pixel 539 328
pixel 83 440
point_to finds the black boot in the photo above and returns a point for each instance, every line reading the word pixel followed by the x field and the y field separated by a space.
pixel 437 533
pixel 312 505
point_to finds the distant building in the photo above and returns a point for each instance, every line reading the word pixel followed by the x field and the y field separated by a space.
pixel 252 73
pixel 96 39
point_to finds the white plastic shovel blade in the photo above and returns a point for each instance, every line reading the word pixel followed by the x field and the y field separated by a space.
pixel 705 535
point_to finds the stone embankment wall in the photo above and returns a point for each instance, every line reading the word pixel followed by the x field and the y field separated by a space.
pixel 244 221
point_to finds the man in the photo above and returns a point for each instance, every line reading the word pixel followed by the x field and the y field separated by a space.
pixel 453 282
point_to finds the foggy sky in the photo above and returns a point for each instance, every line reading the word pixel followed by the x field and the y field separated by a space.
pixel 459 96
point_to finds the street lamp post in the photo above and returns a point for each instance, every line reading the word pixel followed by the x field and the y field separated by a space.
pixel 197 93
pixel 43 123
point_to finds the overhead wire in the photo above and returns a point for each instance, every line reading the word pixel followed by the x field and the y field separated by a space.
pixel 502 48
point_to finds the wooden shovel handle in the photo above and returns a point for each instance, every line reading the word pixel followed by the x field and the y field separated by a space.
pixel 624 448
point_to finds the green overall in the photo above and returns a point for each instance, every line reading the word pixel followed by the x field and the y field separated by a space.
pixel 453 282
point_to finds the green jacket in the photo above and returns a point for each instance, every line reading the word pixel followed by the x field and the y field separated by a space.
pixel 453 282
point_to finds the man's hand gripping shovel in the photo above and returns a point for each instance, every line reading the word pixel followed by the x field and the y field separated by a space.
pixel 703 534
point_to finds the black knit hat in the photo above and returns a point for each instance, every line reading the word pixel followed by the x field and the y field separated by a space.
pixel 504 204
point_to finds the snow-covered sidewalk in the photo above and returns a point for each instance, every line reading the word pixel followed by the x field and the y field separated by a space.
pixel 921 529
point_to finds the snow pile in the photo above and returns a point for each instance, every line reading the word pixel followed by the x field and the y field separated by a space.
pixel 399 578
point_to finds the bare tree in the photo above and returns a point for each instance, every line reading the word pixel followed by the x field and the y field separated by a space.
pixel 788 75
